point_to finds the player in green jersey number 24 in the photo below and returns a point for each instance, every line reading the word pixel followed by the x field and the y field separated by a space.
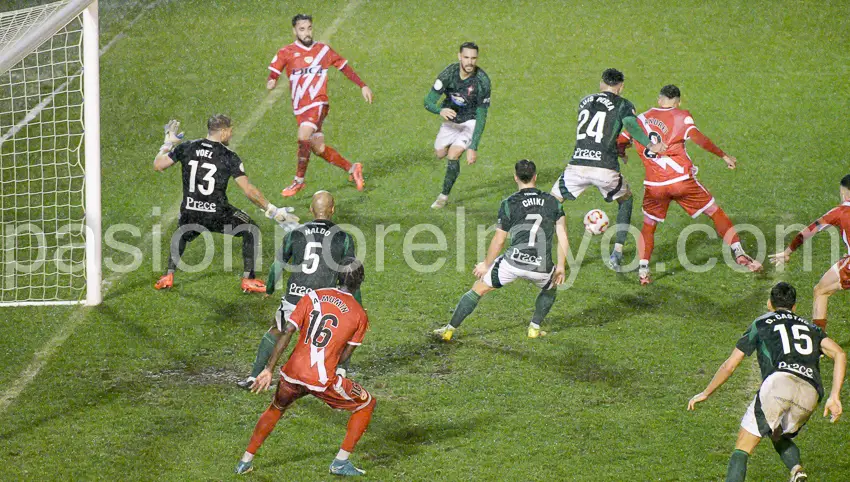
pixel 464 111
pixel 789 349
pixel 594 162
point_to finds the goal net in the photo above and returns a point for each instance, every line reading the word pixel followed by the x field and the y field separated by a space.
pixel 49 155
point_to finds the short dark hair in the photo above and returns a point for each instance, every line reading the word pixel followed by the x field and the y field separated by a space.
pixel 218 122
pixel 845 181
pixel 613 77
pixel 525 170
pixel 351 274
pixel 671 91
pixel 468 45
pixel 301 16
pixel 783 295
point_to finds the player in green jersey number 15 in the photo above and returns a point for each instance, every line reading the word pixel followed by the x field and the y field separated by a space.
pixel 594 161
pixel 464 112
pixel 789 349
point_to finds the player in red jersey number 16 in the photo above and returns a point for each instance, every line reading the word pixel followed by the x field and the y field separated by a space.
pixel 306 62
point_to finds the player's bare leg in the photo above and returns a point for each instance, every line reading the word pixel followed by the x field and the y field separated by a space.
pixel 452 154
pixel 624 219
pixel 357 425
pixel 646 244
pixel 727 231
pixel 305 132
pixel 829 283
pixel 744 447
pixel 328 153
pixel 464 308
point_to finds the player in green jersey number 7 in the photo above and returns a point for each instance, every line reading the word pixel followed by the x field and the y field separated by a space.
pixel 595 162
pixel 464 113
pixel 789 349
pixel 531 218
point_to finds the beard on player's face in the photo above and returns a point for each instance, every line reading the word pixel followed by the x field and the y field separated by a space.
pixel 306 40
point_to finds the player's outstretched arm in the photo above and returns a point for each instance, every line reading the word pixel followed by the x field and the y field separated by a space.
pixel 264 379
pixel 496 246
pixel 636 132
pixel 723 373
pixel 801 237
pixel 271 211
pixel 173 136
pixel 833 403
pixel 563 248
pixel 342 366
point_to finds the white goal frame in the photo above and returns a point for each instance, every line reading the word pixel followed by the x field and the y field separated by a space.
pixel 12 52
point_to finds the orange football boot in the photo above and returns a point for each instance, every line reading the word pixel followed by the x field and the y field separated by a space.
pixel 251 285
pixel 164 282
pixel 292 189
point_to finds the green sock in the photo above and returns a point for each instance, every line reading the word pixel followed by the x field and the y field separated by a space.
pixel 788 452
pixel 264 352
pixel 737 471
pixel 452 172
pixel 544 303
pixel 624 217
pixel 465 307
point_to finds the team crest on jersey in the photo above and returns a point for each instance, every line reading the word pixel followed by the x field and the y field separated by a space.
pixel 458 100
pixel 470 89
pixel 308 59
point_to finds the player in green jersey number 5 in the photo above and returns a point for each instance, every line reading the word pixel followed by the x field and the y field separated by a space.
pixel 531 218
pixel 789 349
pixel 595 162
pixel 464 113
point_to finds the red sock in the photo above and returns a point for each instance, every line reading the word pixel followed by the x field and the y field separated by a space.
pixel 821 322
pixel 303 158
pixel 724 227
pixel 264 427
pixel 357 426
pixel 335 158
pixel 647 241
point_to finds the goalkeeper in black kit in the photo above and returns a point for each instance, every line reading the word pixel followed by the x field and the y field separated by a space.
pixel 207 166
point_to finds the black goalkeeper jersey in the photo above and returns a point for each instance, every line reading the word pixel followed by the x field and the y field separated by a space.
pixel 785 343
pixel 600 120
pixel 207 167
pixel 529 215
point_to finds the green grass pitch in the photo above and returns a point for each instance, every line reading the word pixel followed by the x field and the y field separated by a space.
pixel 142 386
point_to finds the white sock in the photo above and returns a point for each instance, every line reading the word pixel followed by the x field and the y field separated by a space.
pixel 351 169
pixel 737 249
pixel 247 457
pixel 644 263
pixel 342 455
pixel 618 248
pixel 534 325
pixel 299 180
pixel 449 327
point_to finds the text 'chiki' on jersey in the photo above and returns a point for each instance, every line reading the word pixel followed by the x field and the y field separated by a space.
pixel 307 69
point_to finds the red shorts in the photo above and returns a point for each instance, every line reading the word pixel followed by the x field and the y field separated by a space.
pixel 341 394
pixel 689 194
pixel 843 268
pixel 313 117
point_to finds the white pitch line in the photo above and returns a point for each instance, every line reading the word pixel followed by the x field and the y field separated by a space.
pixel 43 355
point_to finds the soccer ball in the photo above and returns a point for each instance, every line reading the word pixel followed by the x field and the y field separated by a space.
pixel 595 221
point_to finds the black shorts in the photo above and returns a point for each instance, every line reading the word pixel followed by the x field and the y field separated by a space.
pixel 227 221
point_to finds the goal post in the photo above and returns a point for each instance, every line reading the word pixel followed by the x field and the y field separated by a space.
pixel 50 174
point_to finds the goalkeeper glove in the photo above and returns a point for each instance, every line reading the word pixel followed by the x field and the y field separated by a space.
pixel 281 215
pixel 172 136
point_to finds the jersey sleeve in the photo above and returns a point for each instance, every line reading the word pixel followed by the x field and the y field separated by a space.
pixel 557 209
pixel 484 90
pixel 349 250
pixel 301 314
pixel 334 59
pixel 503 222
pixel 749 340
pixel 277 64
pixel 235 167
pixel 180 153
pixel 360 334
pixel 832 218
pixel 627 109
pixel 690 125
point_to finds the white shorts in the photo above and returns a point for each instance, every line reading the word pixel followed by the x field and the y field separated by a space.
pixel 575 179
pixel 784 402
pixel 283 313
pixel 452 134
pixel 502 273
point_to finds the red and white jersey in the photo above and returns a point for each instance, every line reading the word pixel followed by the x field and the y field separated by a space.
pixel 307 69
pixel 673 126
pixel 840 218
pixel 327 320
